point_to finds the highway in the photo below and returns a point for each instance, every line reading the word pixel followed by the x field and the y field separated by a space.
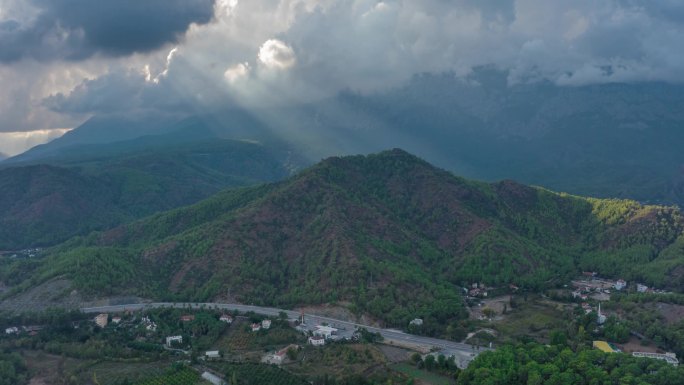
pixel 448 347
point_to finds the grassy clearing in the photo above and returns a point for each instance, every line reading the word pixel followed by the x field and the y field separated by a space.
pixel 56 369
pixel 115 372
pixel 422 375
pixel 534 318
pixel 337 360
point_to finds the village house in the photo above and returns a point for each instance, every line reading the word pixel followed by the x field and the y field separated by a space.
pixel 226 318
pixel 316 341
pixel 620 284
pixel 12 330
pixel 102 319
pixel 256 327
pixel 278 357
pixel 212 355
pixel 642 288
pixel 170 340
pixel 187 318
pixel 116 320
pixel 266 324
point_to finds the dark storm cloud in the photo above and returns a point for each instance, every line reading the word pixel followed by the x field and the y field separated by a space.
pixel 78 29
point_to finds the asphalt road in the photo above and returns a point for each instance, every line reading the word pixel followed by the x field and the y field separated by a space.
pixel 449 347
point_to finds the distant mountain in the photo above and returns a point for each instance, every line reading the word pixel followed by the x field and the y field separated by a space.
pixel 607 140
pixel 386 234
pixel 612 140
pixel 2 156
pixel 94 187
pixel 101 130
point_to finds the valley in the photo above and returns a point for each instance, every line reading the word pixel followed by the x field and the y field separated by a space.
pixel 309 192
pixel 432 262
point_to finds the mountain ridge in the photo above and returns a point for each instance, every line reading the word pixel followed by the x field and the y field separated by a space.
pixel 388 233
pixel 46 204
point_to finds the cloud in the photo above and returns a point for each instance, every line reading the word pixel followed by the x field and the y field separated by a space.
pixel 113 92
pixel 260 52
pixel 13 143
pixel 237 72
pixel 79 29
pixel 274 54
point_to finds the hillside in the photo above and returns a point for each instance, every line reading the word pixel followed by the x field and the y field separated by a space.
pixel 99 186
pixel 388 234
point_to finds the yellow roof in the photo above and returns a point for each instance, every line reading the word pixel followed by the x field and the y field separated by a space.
pixel 603 346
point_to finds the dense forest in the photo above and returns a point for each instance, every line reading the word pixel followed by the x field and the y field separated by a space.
pixel 389 233
pixel 532 363
pixel 101 187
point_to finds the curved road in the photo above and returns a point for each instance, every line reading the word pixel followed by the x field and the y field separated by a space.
pixel 449 347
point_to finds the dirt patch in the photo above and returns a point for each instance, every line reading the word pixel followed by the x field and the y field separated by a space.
pixel 37 381
pixel 671 313
pixel 48 369
pixel 59 293
pixel 634 345
pixel 498 305
pixel 56 292
pixel 395 354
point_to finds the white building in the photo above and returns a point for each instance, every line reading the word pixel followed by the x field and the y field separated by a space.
pixel 212 354
pixel 172 339
pixel 256 327
pixel 317 341
pixel 670 358
pixel 266 324
pixel 12 330
pixel 620 284
pixel 416 322
pixel 226 318
pixel 642 288
pixel 325 331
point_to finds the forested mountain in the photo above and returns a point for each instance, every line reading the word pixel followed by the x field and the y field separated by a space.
pixel 390 233
pixel 95 187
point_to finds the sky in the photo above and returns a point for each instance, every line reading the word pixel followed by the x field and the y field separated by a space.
pixel 63 61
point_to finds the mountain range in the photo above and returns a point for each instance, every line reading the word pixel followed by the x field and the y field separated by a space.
pixel 386 234
pixel 603 140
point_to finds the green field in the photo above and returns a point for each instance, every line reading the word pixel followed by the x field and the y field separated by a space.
pixel 534 318
pixel 431 378
pixel 184 376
